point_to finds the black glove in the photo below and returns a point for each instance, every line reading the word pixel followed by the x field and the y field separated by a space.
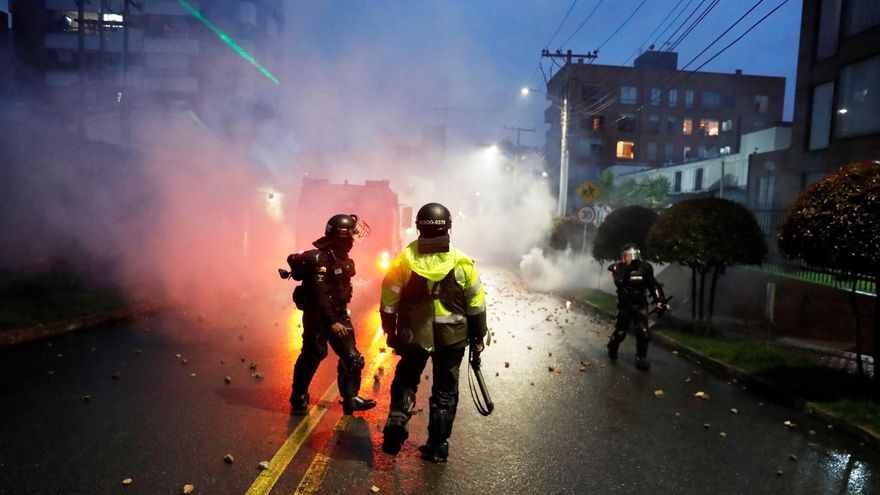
pixel 389 326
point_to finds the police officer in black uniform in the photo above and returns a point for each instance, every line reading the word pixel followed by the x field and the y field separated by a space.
pixel 634 279
pixel 323 297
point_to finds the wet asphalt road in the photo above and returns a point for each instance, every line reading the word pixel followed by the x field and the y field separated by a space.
pixel 566 420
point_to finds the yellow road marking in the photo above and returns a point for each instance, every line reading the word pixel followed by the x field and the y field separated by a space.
pixel 267 478
pixel 311 481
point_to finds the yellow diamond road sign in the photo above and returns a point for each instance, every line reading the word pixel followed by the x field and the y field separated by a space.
pixel 588 192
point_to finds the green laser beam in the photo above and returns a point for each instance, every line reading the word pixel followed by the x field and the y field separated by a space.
pixel 226 39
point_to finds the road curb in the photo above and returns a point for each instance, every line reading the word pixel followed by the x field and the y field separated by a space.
pixel 14 337
pixel 754 383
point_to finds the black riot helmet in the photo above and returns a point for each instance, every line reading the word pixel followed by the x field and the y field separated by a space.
pixel 630 253
pixel 341 230
pixel 433 220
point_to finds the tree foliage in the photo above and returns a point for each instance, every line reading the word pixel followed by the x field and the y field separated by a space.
pixel 835 223
pixel 707 235
pixel 627 224
pixel 569 231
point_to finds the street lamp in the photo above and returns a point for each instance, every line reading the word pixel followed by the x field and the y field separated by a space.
pixel 563 148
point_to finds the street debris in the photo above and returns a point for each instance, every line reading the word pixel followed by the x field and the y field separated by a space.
pixel 687 380
pixel 706 425
pixel 86 398
pixel 222 361
pixel 116 375
pixel 188 489
pixel 506 364
pixel 382 350
pixel 192 375
pixel 722 435
pixel 779 472
pixel 659 393
pixel 258 376
pixel 789 424
pixel 677 414
pixel 733 410
pixel 701 395
pixel 374 489
pixel 253 366
pixel 793 458
pixel 264 465
pixel 50 373
pixel 127 481
pixel 138 352
pixel 183 361
pixel 812 432
pixel 675 353
pixel 227 379
pixel 228 459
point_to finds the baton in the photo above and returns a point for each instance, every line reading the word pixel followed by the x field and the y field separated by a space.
pixel 484 403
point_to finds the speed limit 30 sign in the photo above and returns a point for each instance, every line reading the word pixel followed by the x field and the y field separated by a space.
pixel 587 214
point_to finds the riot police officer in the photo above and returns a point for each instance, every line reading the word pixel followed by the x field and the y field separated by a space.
pixel 432 307
pixel 634 279
pixel 323 297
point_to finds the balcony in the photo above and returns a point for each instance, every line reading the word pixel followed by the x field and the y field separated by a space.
pixel 113 41
pixel 151 7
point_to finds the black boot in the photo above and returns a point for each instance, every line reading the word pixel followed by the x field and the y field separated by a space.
pixel 394 434
pixel 642 363
pixel 435 453
pixel 356 403
pixel 612 349
pixel 299 403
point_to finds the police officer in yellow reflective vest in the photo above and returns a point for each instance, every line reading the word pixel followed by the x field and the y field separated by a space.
pixel 432 307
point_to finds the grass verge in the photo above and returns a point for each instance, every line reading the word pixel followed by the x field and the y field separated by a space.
pixel 861 412
pixel 605 301
pixel 31 311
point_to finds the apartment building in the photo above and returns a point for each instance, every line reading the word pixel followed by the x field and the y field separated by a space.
pixel 653 114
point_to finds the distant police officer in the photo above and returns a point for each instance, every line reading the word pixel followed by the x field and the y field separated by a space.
pixel 323 297
pixel 634 279
pixel 432 306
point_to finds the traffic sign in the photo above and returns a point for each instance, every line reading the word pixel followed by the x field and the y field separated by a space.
pixel 587 214
pixel 588 192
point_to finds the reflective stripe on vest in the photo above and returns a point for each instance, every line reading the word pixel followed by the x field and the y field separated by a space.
pixel 474 289
pixel 451 318
pixel 389 309
pixel 476 310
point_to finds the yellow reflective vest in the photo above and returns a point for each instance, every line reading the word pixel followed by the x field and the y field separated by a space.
pixel 450 276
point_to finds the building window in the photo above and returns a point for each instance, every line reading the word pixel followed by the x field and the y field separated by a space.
pixel 654 124
pixel 698 179
pixel 626 122
pixel 725 150
pixel 829 29
pixel 687 126
pixel 689 98
pixel 652 151
pixel 625 149
pixel 673 97
pixel 593 123
pixel 711 100
pixel 686 153
pixel 670 125
pixel 670 152
pixel 761 103
pixel 859 16
pixel 820 115
pixel 589 147
pixel 655 96
pixel 709 127
pixel 858 98
pixel 727 125
pixel 628 95
pixel 676 182
pixel 766 187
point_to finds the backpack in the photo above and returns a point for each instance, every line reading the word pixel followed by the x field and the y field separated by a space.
pixel 300 263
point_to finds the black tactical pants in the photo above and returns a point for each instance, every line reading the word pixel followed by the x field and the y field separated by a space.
pixel 316 335
pixel 444 392
pixel 637 320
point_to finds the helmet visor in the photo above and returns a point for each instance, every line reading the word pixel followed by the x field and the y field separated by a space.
pixel 361 229
pixel 630 255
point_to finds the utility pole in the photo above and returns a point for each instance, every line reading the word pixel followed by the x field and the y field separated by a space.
pixel 518 131
pixel 563 140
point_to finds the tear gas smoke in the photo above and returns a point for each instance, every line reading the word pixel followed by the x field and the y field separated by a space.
pixel 553 271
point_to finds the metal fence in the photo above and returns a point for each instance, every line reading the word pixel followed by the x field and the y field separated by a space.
pixel 778 264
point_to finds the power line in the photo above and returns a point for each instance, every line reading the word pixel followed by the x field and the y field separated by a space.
pixel 621 26
pixel 547 45
pixel 685 21
pixel 672 23
pixel 653 32
pixel 582 24
pixel 710 45
pixel 694 24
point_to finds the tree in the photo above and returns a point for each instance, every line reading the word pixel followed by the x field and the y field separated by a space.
pixel 835 224
pixel 627 224
pixel 569 231
pixel 707 235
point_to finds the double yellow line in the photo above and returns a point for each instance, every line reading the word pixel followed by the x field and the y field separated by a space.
pixel 314 475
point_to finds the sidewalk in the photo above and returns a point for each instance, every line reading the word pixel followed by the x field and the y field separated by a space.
pixel 831 357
